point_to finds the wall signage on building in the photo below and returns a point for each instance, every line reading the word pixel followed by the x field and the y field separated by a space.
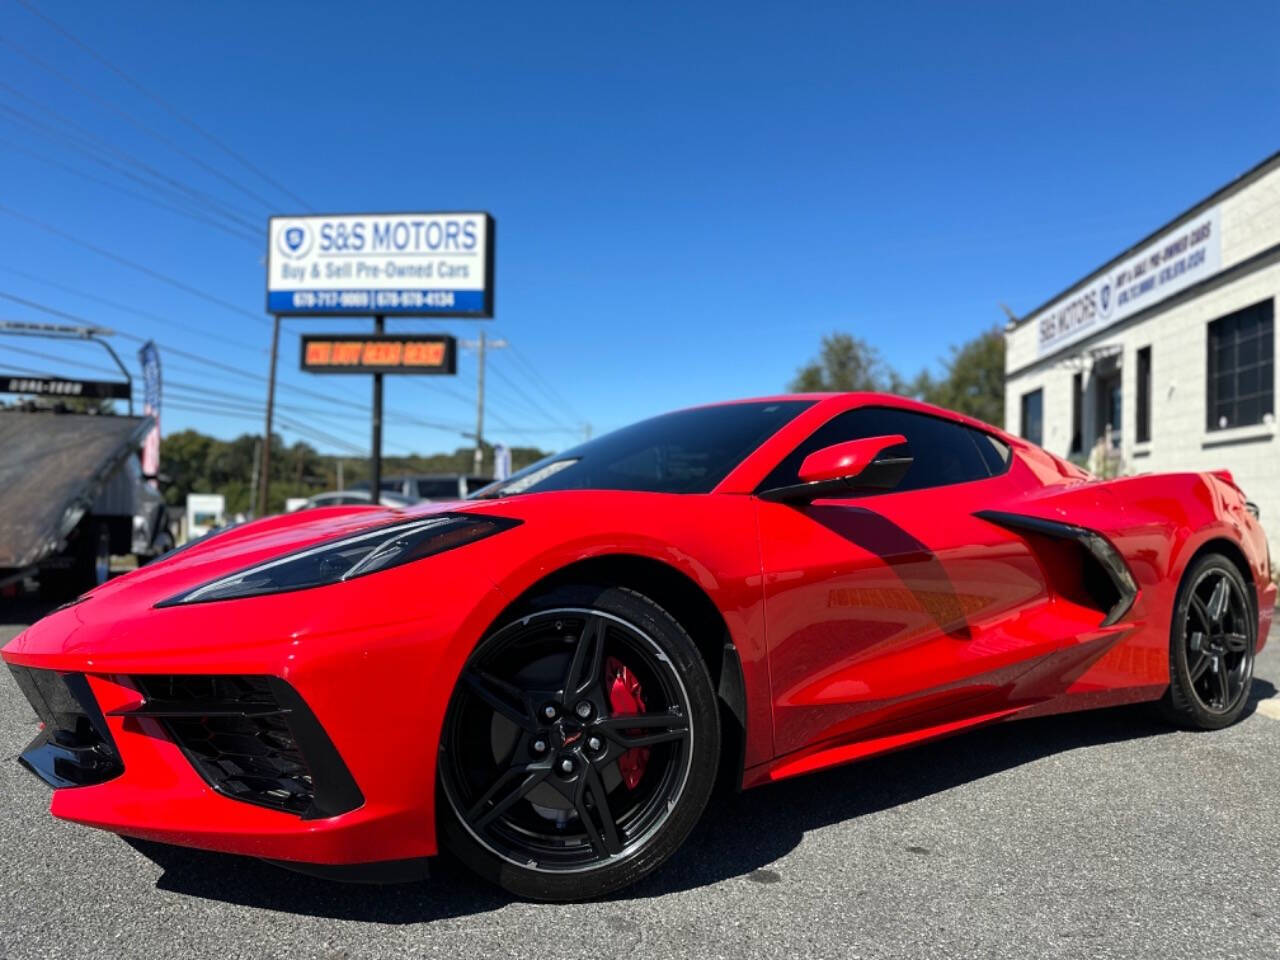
pixel 432 264
pixel 1177 259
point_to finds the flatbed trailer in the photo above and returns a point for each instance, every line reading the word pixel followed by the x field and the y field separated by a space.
pixel 71 495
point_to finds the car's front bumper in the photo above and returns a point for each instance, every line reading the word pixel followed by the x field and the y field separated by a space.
pixel 375 677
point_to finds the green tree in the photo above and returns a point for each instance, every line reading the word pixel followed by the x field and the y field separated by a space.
pixel 195 462
pixel 844 363
pixel 973 381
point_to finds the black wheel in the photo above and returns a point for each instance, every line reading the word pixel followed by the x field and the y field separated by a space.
pixel 580 746
pixel 90 564
pixel 1213 640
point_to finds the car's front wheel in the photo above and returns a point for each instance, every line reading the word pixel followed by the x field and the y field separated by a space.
pixel 580 745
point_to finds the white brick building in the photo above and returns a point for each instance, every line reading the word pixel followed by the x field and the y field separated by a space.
pixel 1164 357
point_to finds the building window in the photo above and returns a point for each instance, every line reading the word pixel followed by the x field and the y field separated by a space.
pixel 1241 367
pixel 1144 396
pixel 1077 413
pixel 1033 416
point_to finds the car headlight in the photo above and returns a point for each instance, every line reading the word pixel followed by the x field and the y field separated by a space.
pixel 357 555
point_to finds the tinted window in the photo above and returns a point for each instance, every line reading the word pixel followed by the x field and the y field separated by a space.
pixel 439 489
pixel 1033 416
pixel 943 452
pixel 1241 383
pixel 1144 395
pixel 689 451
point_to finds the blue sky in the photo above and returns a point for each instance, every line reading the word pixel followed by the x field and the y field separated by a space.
pixel 687 196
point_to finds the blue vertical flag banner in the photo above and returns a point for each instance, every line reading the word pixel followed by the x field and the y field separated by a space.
pixel 149 357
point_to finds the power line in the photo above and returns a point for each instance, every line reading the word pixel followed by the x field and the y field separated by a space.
pixel 155 274
pixel 88 143
pixel 207 221
pixel 547 388
pixel 168 108
pixel 124 308
pixel 144 127
pixel 533 404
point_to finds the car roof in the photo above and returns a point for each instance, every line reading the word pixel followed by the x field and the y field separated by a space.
pixel 823 406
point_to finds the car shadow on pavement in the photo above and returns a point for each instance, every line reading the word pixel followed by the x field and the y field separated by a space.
pixel 742 836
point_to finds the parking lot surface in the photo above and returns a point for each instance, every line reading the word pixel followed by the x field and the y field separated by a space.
pixel 1091 835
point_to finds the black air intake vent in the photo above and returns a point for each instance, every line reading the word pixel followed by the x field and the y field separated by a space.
pixel 253 739
pixel 75 748
pixel 1099 578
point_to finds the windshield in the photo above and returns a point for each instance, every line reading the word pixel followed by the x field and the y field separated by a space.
pixel 689 451
pixel 439 488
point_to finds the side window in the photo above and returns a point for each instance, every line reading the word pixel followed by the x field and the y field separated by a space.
pixel 944 452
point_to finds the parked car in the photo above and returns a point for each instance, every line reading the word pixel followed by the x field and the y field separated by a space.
pixel 434 486
pixel 548 680
pixel 346 498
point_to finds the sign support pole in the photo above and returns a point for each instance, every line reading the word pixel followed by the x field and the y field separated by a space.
pixel 375 467
pixel 265 477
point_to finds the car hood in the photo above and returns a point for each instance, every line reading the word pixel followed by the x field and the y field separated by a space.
pixel 235 548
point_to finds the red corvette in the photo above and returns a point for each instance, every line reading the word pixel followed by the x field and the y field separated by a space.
pixel 549 678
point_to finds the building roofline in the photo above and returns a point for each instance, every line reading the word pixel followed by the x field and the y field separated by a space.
pixel 1234 186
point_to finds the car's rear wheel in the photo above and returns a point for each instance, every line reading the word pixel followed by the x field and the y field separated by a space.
pixel 580 746
pixel 1213 640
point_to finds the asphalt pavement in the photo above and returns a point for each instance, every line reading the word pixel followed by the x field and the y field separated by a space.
pixel 1091 835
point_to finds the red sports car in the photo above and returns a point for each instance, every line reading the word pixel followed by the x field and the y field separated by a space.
pixel 549 678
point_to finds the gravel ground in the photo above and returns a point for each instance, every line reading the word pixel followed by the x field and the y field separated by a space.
pixel 1098 835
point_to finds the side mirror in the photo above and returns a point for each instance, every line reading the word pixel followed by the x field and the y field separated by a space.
pixel 870 465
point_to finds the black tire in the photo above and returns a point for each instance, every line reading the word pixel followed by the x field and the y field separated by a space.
pixel 162 544
pixel 1213 639
pixel 500 774
pixel 90 567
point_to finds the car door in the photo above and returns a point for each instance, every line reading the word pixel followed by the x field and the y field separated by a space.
pixel 895 611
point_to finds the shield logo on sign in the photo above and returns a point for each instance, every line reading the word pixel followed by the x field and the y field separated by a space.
pixel 294 241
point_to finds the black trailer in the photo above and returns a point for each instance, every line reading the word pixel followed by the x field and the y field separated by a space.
pixel 71 495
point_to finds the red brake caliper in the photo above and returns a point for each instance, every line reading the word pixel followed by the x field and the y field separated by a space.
pixel 625 698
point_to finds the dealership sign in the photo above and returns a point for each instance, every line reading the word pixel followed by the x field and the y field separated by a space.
pixel 435 264
pixel 1176 260
pixel 57 387
pixel 380 353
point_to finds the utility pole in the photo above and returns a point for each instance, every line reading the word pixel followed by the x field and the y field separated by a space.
pixel 479 459
pixel 257 464
pixel 265 477
pixel 480 345
pixel 375 467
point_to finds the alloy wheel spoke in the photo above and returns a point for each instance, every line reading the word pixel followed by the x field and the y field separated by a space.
pixel 1224 684
pixel 603 836
pixel 1217 604
pixel 587 663
pixel 644 729
pixel 1198 668
pixel 505 698
pixel 517 782
pixel 1201 613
